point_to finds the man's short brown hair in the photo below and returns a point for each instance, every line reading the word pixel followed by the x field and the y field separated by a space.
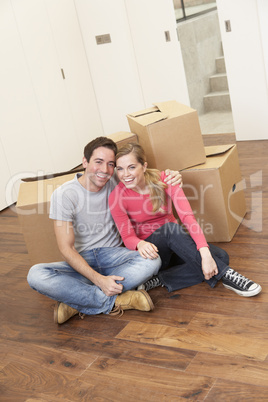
pixel 97 143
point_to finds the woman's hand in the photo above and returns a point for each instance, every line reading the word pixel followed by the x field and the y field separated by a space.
pixel 173 177
pixel 147 250
pixel 209 266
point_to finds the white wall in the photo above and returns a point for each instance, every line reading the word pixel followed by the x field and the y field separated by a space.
pixel 262 7
pixel 48 117
pixel 246 70
pixel 138 67
pixel 159 62
pixel 112 65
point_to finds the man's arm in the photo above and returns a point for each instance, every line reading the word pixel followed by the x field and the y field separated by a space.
pixel 65 239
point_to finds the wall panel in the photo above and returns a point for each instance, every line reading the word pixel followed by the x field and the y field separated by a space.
pixel 157 49
pixel 112 65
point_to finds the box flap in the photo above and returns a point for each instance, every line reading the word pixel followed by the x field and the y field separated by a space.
pixel 218 149
pixel 123 137
pixel 40 191
pixel 120 136
pixel 150 118
pixel 173 108
pixel 216 157
pixel 78 169
pixel 144 111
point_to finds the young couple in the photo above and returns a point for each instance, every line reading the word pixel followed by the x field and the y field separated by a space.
pixel 98 275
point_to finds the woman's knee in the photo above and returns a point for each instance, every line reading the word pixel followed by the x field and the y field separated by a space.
pixel 220 253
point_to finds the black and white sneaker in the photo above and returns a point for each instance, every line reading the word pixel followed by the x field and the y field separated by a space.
pixel 240 284
pixel 152 283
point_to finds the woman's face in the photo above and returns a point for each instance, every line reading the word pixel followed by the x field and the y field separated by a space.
pixel 130 172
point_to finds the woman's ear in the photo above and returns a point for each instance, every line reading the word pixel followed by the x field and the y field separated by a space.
pixel 145 167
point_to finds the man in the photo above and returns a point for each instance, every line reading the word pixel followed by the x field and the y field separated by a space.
pixel 97 274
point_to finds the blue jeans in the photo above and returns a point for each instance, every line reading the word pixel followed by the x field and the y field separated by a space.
pixel 181 261
pixel 59 281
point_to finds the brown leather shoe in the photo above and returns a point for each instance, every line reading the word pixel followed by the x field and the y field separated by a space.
pixel 62 313
pixel 134 300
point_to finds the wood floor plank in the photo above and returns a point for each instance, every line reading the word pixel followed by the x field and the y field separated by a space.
pixel 74 363
pixel 197 340
pixel 13 242
pixel 19 382
pixel 21 330
pixel 44 398
pixel 230 304
pixel 154 355
pixel 240 369
pixel 97 337
pixel 218 324
pixel 162 381
pixel 160 316
pixel 233 392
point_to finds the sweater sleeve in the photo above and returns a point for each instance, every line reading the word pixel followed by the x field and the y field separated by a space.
pixel 186 214
pixel 121 218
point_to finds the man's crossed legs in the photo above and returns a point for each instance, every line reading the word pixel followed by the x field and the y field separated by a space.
pixel 77 294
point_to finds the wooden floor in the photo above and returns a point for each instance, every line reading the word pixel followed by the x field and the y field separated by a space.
pixel 198 344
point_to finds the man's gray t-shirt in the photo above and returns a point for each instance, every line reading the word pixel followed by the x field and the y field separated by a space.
pixel 88 211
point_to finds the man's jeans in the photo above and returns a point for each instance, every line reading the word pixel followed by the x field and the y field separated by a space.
pixel 61 282
pixel 186 268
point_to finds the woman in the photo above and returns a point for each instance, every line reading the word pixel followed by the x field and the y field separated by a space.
pixel 141 206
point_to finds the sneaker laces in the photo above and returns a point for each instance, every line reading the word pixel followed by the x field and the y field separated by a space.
pixel 237 278
pixel 152 283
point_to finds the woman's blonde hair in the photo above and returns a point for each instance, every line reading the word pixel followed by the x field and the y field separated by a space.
pixel 152 176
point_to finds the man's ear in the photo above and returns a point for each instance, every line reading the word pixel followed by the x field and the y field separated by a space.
pixel 84 162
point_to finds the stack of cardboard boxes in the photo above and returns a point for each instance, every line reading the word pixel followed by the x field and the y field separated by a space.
pixel 170 134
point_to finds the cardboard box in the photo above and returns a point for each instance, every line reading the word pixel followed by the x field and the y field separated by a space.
pixel 33 207
pixel 215 192
pixel 170 134
pixel 33 210
pixel 122 138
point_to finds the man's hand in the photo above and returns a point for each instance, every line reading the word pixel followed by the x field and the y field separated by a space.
pixel 65 238
pixel 173 177
pixel 109 286
pixel 147 250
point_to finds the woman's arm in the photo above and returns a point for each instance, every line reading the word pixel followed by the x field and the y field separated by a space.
pixel 118 210
pixel 186 215
pixel 209 266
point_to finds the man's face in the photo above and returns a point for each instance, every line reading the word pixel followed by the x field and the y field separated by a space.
pixel 100 168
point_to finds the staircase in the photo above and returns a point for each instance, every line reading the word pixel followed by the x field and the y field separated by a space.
pixel 218 99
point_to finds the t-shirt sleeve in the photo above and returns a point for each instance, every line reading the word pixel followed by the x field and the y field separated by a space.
pixel 121 218
pixel 61 206
pixel 186 214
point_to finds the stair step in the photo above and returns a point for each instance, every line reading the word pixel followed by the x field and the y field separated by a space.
pixel 218 82
pixel 220 65
pixel 219 100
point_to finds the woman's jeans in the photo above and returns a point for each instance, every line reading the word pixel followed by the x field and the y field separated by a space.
pixel 186 268
pixel 59 281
